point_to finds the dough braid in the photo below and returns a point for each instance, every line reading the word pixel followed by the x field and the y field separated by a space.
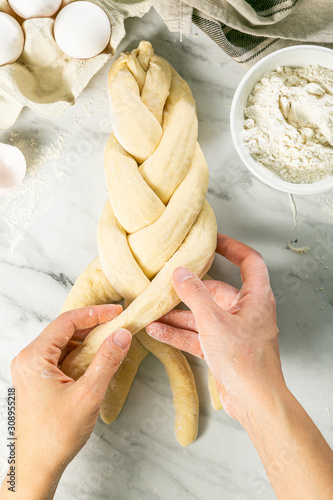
pixel 156 219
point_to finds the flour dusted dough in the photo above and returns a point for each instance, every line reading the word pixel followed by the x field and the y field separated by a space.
pixel 156 219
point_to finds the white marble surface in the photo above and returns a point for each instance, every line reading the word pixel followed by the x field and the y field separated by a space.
pixel 48 236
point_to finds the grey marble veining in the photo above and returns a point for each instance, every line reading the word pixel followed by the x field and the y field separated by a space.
pixel 48 235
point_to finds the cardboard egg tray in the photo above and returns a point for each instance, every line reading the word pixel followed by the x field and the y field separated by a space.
pixel 44 78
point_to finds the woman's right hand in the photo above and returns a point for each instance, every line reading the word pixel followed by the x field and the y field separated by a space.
pixel 235 331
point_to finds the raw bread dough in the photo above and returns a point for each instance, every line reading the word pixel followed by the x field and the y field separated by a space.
pixel 156 219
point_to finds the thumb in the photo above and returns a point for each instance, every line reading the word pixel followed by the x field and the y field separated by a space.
pixel 106 362
pixel 193 292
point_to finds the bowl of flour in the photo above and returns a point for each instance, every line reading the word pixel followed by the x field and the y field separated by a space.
pixel 282 119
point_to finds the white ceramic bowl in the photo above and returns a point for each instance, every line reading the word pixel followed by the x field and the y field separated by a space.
pixel 299 55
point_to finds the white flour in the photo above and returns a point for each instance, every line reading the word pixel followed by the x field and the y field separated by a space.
pixel 288 123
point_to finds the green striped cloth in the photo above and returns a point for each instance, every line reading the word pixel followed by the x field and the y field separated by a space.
pixel 250 29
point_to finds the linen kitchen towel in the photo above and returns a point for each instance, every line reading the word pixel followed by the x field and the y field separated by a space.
pixel 249 29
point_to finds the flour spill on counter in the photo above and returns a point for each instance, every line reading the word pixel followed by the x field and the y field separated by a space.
pixel 48 161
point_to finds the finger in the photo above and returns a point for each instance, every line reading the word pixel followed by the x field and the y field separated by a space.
pixel 106 362
pixel 224 295
pixel 184 340
pixel 72 344
pixel 194 294
pixel 57 335
pixel 80 335
pixel 252 266
pixel 180 319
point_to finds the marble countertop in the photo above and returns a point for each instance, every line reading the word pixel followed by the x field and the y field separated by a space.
pixel 48 235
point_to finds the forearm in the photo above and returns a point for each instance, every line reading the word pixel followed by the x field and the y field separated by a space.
pixel 296 457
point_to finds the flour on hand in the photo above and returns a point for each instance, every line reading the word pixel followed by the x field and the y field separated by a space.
pixel 288 123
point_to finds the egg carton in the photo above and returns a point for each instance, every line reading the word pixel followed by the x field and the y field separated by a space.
pixel 44 78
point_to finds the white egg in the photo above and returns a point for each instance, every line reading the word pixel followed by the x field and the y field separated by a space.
pixel 12 168
pixel 35 8
pixel 82 30
pixel 11 39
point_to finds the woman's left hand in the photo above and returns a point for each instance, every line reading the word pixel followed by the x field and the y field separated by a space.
pixel 55 415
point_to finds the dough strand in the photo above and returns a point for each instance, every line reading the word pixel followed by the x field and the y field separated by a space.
pixel 155 220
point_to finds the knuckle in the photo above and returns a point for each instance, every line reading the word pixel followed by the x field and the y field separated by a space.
pixel 258 255
pixel 254 256
pixel 113 360
pixel 65 315
pixel 213 313
pixel 86 392
pixel 66 318
pixel 266 296
pixel 192 286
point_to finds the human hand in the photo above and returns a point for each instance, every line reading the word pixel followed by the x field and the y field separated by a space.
pixel 55 415
pixel 234 331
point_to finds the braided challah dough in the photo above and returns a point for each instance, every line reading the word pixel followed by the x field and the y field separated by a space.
pixel 156 219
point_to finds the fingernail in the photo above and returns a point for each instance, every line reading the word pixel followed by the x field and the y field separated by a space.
pixel 181 274
pixel 121 339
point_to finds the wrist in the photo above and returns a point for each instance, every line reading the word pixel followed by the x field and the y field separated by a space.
pixel 297 459
pixel 264 403
pixel 32 479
